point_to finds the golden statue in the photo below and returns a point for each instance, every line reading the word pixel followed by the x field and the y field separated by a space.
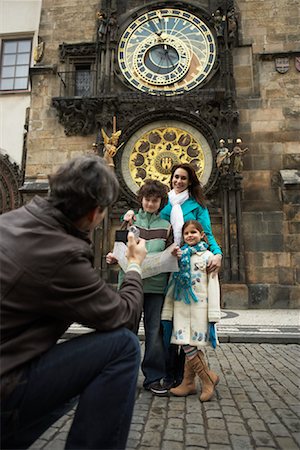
pixel 110 144
pixel 38 51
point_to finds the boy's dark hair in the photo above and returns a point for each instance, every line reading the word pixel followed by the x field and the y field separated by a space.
pixel 153 188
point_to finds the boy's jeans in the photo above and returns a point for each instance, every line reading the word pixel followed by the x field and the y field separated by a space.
pixel 100 369
pixel 153 365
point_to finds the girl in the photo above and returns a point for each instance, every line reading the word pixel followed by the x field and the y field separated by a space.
pixel 192 301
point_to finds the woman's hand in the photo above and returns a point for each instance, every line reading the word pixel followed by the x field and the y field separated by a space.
pixel 129 217
pixel 214 264
pixel 111 259
pixel 176 252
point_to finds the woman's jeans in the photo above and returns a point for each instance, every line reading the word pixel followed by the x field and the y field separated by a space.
pixel 99 370
pixel 153 365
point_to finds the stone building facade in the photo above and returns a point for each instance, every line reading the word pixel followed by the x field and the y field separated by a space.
pixel 18 40
pixel 252 93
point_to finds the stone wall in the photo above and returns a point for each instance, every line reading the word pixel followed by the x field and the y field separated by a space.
pixel 269 106
pixel 269 125
pixel 48 147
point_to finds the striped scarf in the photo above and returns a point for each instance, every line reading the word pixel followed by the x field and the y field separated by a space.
pixel 182 280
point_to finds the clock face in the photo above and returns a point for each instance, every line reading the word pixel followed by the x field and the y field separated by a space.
pixel 166 51
pixel 154 149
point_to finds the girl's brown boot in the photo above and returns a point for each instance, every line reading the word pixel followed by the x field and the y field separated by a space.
pixel 208 378
pixel 187 387
pixel 212 375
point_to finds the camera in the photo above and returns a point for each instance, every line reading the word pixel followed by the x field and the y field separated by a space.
pixel 122 235
pixel 135 231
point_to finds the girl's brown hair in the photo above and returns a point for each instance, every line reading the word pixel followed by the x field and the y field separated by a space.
pixel 195 188
pixel 196 224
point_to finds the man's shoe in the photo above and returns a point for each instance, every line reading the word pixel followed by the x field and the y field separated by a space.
pixel 157 389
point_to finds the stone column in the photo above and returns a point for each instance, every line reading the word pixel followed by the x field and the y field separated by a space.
pixel 234 289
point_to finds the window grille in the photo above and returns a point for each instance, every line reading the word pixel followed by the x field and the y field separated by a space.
pixel 83 81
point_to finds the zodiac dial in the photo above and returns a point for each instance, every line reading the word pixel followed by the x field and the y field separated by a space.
pixel 154 149
pixel 166 51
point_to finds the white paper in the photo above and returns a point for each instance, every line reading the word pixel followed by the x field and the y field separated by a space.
pixel 153 264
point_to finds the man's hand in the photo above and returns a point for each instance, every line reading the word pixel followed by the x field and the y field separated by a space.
pixel 111 259
pixel 214 265
pixel 136 251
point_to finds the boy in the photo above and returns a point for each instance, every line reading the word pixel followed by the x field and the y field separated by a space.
pixel 152 197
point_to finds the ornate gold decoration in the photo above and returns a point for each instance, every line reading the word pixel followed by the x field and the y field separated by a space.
pixel 159 149
pixel 38 51
pixel 110 144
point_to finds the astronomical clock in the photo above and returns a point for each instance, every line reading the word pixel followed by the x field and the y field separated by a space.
pixel 168 56
pixel 167 52
pixel 161 72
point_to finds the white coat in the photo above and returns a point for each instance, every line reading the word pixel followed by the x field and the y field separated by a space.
pixel 190 321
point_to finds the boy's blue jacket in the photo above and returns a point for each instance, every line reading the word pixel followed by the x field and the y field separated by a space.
pixel 192 210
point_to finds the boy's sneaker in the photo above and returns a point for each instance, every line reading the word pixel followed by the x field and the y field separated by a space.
pixel 168 384
pixel 157 389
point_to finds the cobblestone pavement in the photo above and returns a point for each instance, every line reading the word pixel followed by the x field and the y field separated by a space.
pixel 256 406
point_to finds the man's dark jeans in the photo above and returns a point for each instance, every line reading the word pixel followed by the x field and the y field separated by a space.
pixel 98 369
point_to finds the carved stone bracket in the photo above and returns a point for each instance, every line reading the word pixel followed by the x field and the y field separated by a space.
pixel 10 179
pixel 76 50
pixel 229 115
pixel 231 182
pixel 77 115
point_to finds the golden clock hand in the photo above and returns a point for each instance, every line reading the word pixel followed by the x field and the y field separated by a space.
pixel 154 28
pixel 161 21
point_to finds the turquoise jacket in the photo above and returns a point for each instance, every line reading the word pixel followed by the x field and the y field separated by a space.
pixel 193 211
pixel 155 231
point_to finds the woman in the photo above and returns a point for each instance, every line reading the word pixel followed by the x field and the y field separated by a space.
pixel 186 202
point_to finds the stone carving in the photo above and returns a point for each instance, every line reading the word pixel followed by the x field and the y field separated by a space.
pixel 112 27
pixel 38 51
pixel 232 25
pixel 282 64
pixel 102 25
pixel 223 158
pixel 238 157
pixel 219 22
pixel 77 50
pixel 10 180
pixel 76 115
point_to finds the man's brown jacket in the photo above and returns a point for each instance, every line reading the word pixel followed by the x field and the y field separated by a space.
pixel 47 282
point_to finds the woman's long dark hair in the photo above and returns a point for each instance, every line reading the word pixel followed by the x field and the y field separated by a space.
pixel 195 188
